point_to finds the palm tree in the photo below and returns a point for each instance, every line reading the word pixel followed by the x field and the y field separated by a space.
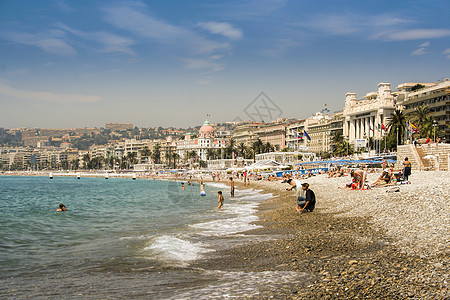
pixel 175 157
pixel 146 153
pixel 257 146
pixel 210 154
pixel 267 147
pixel 229 150
pixel 156 155
pixel 397 125
pixel 241 149
pixel 337 140
pixel 86 160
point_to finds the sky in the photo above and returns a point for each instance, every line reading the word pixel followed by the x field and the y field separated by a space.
pixel 68 64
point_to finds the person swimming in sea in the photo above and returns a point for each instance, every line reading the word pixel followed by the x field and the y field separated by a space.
pixel 62 207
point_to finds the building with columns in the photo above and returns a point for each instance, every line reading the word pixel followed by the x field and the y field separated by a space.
pixel 364 117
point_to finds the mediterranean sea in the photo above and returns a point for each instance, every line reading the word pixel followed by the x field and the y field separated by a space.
pixel 119 237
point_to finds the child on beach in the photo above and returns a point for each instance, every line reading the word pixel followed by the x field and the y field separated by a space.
pixel 220 200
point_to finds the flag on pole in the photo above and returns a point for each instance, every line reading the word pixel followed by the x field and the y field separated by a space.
pixel 300 135
pixel 306 134
pixel 325 109
pixel 413 127
pixel 382 127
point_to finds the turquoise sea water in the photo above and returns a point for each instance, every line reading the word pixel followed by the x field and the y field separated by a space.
pixel 119 238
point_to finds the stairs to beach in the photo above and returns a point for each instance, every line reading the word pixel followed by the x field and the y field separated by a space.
pixel 439 160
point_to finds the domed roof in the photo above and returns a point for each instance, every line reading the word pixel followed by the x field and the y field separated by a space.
pixel 206 130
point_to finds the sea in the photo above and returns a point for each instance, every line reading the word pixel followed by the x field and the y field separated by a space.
pixel 123 238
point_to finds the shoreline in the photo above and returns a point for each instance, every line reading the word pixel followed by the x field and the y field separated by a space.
pixel 340 252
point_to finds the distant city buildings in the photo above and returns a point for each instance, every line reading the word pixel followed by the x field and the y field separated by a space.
pixel 360 120
pixel 119 126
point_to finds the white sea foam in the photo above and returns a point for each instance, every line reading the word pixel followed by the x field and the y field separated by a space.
pixel 241 284
pixel 174 250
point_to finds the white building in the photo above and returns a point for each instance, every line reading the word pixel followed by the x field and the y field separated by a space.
pixel 364 117
pixel 205 141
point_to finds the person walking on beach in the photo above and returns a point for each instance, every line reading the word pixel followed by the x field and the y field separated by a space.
pixel 310 200
pixel 220 200
pixel 232 187
pixel 406 169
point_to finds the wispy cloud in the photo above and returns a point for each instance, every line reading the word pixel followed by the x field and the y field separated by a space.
pixel 195 50
pixel 447 53
pixel 352 24
pixel 414 34
pixel 136 19
pixel 46 96
pixel 421 50
pixel 109 42
pixel 207 63
pixel 279 47
pixel 51 41
pixel 63 6
pixel 222 28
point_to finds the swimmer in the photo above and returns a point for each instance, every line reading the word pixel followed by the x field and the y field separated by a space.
pixel 62 207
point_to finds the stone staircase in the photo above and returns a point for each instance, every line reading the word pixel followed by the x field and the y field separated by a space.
pixel 426 162
pixel 439 156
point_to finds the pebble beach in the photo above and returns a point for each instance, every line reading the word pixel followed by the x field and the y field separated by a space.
pixel 357 244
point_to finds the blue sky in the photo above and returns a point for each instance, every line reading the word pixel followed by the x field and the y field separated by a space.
pixel 67 64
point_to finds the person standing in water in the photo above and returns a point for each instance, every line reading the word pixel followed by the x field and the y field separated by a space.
pixel 220 200
pixel 202 189
pixel 232 186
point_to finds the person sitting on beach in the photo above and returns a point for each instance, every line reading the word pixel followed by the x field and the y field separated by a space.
pixel 383 180
pixel 62 207
pixel 309 203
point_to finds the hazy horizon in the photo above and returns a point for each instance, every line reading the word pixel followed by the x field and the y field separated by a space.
pixel 74 64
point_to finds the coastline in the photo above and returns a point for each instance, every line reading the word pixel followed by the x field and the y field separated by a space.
pixel 356 244
pixel 346 249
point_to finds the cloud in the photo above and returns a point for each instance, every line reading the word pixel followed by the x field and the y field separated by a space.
pixel 63 6
pixel 46 96
pixel 109 42
pixel 225 29
pixel 51 42
pixel 194 49
pixel 208 63
pixel 421 49
pixel 415 34
pixel 352 24
pixel 131 17
pixel 447 52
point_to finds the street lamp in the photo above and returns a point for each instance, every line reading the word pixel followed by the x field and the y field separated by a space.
pixel 434 130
